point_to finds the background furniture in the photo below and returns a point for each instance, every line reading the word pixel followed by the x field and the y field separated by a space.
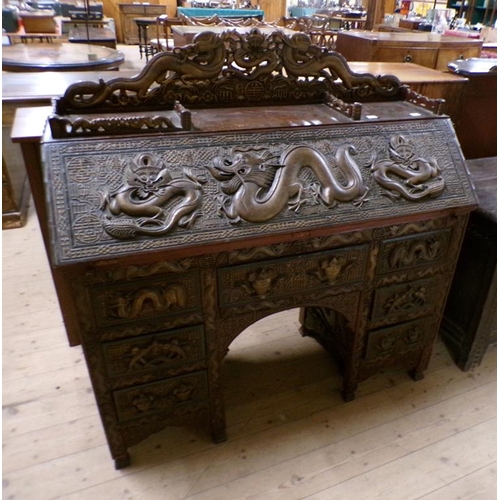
pixel 259 14
pixel 477 124
pixel 426 49
pixel 470 318
pixel 93 36
pixel 59 57
pixel 128 33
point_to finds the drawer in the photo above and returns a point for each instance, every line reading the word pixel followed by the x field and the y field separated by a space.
pixel 283 277
pixel 164 396
pixel 146 298
pixel 151 352
pixel 423 56
pixel 398 339
pixel 445 56
pixel 397 302
pixel 413 251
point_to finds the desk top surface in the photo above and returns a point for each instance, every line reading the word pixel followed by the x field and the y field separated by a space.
pixel 59 57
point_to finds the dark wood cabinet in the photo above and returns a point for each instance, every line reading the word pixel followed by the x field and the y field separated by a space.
pixel 426 49
pixel 129 34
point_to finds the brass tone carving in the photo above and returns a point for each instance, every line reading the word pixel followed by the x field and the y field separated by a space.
pixel 147 301
pixel 148 186
pixel 256 187
pixel 408 253
pixel 412 298
pixel 261 282
pixel 233 69
pixel 330 269
pixel 416 178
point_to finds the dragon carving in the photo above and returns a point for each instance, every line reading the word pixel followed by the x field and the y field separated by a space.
pixel 301 58
pixel 148 187
pixel 201 60
pixel 256 188
pixel 406 175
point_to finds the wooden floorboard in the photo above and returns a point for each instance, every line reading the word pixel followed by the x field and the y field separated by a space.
pixel 290 435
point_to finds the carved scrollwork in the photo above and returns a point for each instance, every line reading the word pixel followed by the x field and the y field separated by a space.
pixel 406 175
pixel 148 186
pixel 256 186
pixel 330 269
pixel 261 282
pixel 412 298
pixel 233 69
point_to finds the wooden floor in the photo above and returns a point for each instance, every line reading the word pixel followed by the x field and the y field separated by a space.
pixel 290 434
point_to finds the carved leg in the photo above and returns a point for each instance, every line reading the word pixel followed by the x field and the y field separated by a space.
pixel 122 461
pixel 416 375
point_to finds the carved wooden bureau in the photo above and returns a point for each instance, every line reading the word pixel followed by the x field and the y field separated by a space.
pixel 235 178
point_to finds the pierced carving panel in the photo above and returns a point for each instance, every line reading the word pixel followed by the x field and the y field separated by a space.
pixel 160 396
pixel 283 277
pixel 151 352
pixel 189 191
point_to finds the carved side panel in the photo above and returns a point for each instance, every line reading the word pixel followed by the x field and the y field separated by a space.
pixel 160 396
pixel 150 352
pixel 283 277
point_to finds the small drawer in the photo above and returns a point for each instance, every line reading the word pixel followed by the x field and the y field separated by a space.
pixel 396 302
pixel 146 298
pixel 398 339
pixel 413 251
pixel 283 277
pixel 133 9
pixel 164 396
pixel 152 352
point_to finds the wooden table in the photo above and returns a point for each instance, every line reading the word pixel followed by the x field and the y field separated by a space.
pixel 426 81
pixel 103 37
pixel 427 49
pixel 59 57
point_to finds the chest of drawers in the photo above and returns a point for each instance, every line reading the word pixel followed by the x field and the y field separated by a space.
pixel 174 242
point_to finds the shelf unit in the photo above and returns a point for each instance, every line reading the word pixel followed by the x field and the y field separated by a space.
pixel 476 11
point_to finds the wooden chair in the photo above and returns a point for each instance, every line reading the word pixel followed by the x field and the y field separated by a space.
pixel 164 40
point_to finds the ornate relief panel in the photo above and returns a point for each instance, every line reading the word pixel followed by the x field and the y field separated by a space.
pixel 397 302
pixel 283 277
pixel 148 298
pixel 150 352
pixel 160 396
pixel 126 196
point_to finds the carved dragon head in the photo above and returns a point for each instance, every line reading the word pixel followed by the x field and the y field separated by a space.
pixel 244 166
pixel 147 173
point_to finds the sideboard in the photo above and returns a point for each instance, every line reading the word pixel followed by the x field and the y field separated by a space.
pixel 427 49
pixel 180 214
pixel 127 31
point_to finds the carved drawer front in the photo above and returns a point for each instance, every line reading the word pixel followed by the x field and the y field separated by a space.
pixel 150 352
pixel 166 395
pixel 413 251
pixel 282 277
pixel 397 302
pixel 147 298
pixel 398 339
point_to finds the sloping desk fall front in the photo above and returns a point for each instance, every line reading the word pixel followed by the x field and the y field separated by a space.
pixel 174 238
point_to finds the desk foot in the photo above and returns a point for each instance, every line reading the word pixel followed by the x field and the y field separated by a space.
pixel 219 436
pixel 416 375
pixel 121 462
